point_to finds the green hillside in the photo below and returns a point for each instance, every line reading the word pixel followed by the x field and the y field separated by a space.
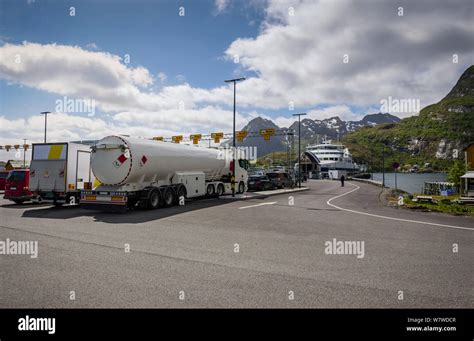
pixel 431 137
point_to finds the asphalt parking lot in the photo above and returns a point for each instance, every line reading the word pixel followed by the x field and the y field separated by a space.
pixel 263 252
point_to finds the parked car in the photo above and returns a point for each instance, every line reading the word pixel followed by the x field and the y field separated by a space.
pixel 17 186
pixel 3 179
pixel 259 183
pixel 255 171
pixel 280 179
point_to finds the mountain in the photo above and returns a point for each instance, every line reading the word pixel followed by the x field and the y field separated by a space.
pixel 276 143
pixel 335 128
pixel 436 135
pixel 312 131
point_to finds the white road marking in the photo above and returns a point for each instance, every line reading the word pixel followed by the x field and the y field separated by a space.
pixel 390 218
pixel 264 203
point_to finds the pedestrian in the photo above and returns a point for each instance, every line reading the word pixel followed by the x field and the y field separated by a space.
pixel 342 180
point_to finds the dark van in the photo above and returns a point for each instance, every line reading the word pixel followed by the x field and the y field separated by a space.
pixel 280 179
pixel 17 186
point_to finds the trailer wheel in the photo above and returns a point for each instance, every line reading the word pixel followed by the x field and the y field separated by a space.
pixel 181 193
pixel 241 188
pixel 220 190
pixel 210 191
pixel 169 197
pixel 154 199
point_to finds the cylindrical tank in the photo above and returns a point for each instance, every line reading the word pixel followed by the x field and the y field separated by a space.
pixel 117 160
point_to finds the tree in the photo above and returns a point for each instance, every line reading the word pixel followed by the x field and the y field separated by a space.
pixel 455 172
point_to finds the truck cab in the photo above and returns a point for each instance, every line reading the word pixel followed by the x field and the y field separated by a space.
pixel 17 186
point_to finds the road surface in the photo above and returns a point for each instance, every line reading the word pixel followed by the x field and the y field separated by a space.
pixel 269 252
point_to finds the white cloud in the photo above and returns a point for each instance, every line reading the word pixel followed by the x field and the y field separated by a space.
pixel 74 72
pixel 300 57
pixel 69 127
pixel 92 46
pixel 162 77
pixel 181 78
pixel 295 58
pixel 221 5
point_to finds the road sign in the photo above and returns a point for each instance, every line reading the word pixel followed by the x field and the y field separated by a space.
pixel 395 165
pixel 217 137
pixel 158 138
pixel 195 138
pixel 240 135
pixel 177 138
pixel 266 133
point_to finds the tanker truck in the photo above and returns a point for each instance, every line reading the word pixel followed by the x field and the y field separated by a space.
pixel 149 174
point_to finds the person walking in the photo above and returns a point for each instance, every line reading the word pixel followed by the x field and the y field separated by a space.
pixel 342 180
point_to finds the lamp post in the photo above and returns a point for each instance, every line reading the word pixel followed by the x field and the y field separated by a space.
pixel 299 147
pixel 235 80
pixel 45 113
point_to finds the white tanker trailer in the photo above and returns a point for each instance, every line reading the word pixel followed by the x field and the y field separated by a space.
pixel 151 174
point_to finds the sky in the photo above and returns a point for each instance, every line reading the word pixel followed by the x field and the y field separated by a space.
pixel 157 68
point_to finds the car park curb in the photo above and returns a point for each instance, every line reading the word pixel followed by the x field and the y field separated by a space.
pixel 263 194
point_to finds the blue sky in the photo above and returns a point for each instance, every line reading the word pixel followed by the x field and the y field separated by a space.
pixel 325 57
pixel 194 49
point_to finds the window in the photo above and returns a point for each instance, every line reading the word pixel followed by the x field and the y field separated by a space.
pixel 244 164
pixel 16 176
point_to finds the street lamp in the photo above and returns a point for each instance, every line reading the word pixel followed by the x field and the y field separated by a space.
pixel 299 147
pixel 235 80
pixel 45 113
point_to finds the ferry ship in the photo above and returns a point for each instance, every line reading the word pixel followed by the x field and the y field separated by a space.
pixel 332 157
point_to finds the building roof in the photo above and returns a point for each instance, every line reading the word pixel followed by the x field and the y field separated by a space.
pixel 470 144
pixel 468 175
pixel 17 163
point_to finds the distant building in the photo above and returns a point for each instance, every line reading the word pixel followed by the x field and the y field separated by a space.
pixel 469 176
pixel 16 164
pixel 469 156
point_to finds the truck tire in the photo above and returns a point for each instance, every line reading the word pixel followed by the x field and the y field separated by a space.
pixel 210 191
pixel 154 199
pixel 18 202
pixel 181 193
pixel 169 197
pixel 241 189
pixel 220 190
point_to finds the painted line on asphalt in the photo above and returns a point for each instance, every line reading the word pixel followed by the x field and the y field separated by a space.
pixel 264 203
pixel 390 218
